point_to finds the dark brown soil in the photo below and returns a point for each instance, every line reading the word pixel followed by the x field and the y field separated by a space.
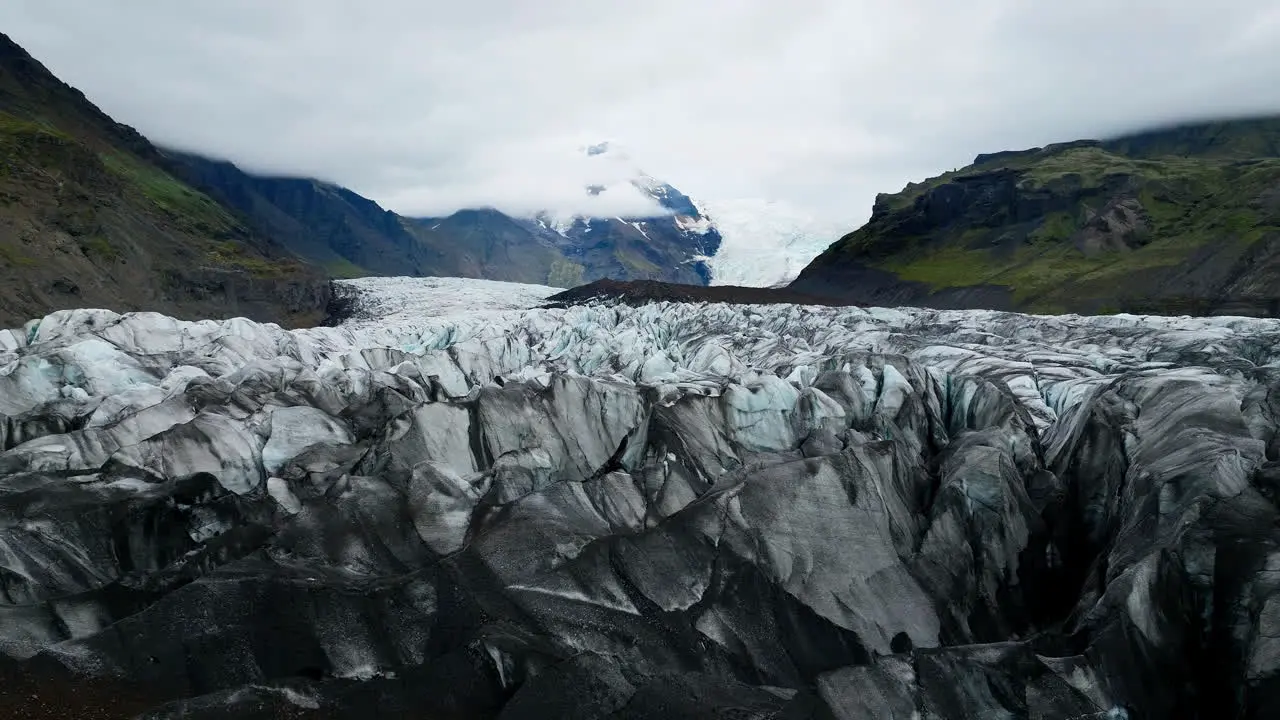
pixel 45 691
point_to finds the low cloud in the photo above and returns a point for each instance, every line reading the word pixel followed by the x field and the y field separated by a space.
pixel 428 107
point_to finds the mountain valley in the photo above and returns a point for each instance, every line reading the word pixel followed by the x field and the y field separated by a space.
pixel 95 215
pixel 269 450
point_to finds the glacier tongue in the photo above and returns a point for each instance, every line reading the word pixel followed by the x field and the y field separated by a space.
pixel 460 503
pixel 766 243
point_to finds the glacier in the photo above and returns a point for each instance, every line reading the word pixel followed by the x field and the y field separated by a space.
pixel 766 243
pixel 459 503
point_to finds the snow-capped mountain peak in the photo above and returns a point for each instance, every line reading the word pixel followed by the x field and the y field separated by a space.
pixel 699 224
pixel 746 241
pixel 612 170
pixel 758 243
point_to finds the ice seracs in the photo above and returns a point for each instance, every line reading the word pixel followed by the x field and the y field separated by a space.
pixel 463 503
pixel 393 304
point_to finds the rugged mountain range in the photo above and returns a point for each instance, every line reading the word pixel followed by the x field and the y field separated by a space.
pixel 352 236
pixel 89 216
pixel 1178 220
pixel 671 245
pixel 94 215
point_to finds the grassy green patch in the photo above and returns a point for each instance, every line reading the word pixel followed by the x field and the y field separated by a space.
pixel 98 246
pixel 1038 269
pixel 1090 167
pixel 344 269
pixel 15 129
pixel 236 256
pixel 948 266
pixel 565 274
pixel 635 263
pixel 14 257
pixel 192 210
pixel 1162 209
pixel 1056 227
pixel 27 146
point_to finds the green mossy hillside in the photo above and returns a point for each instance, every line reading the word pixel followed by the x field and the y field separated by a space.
pixel 91 216
pixel 1081 227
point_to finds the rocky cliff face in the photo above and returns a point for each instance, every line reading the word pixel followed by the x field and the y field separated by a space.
pixel 90 216
pixel 672 510
pixel 1172 221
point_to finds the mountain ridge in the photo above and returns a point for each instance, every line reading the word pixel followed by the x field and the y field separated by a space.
pixel 89 216
pixel 351 236
pixel 1180 220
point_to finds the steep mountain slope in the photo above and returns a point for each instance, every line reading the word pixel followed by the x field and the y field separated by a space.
pixel 88 217
pixel 352 236
pixel 1178 220
pixel 347 234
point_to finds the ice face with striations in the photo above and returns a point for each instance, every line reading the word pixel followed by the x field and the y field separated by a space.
pixel 458 506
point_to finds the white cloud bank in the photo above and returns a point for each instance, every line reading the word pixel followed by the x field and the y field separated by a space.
pixel 431 106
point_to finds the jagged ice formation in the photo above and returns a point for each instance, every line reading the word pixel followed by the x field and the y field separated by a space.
pixel 455 506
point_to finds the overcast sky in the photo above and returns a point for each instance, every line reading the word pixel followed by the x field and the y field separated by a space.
pixel 427 106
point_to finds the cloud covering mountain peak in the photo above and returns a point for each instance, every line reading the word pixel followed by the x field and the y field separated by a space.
pixel 428 109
